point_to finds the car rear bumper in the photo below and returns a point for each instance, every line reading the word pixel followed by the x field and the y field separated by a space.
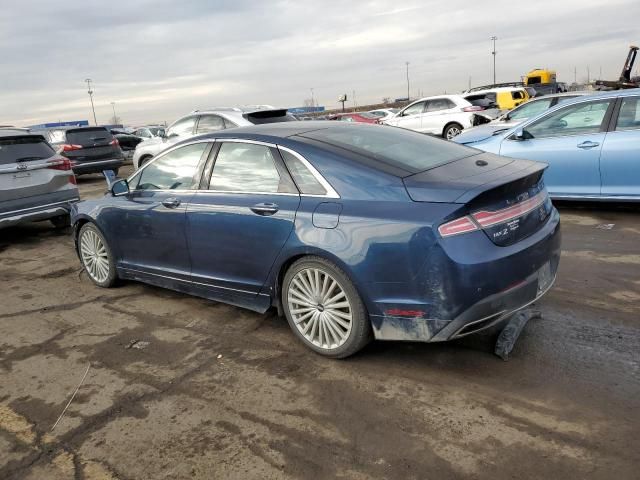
pixel 97 166
pixel 34 214
pixel 476 295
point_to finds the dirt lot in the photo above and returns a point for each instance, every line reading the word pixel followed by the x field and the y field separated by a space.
pixel 219 392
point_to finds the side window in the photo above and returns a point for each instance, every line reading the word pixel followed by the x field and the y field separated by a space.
pixel 245 167
pixel 182 127
pixel 439 104
pixel 210 123
pixel 517 95
pixel 142 132
pixel 629 116
pixel 176 170
pixel 530 109
pixel 346 118
pixel 413 109
pixel 580 119
pixel 305 180
pixel 229 124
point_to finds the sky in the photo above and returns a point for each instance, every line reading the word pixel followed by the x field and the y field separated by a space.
pixel 158 60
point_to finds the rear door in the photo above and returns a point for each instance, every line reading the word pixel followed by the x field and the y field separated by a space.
pixel 30 175
pixel 570 141
pixel 435 115
pixel 91 144
pixel 239 220
pixel 619 161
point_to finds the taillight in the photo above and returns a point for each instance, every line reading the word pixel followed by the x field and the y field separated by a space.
pixel 70 147
pixel 487 218
pixel 473 108
pixel 114 142
pixel 59 164
pixel 458 226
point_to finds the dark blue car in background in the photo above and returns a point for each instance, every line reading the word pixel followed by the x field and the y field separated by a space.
pixel 353 232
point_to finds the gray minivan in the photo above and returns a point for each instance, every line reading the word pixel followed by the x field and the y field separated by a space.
pixel 36 183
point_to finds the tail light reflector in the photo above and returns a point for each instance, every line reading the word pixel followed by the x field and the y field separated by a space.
pixel 70 147
pixel 458 226
pixel 114 142
pixel 59 164
pixel 472 108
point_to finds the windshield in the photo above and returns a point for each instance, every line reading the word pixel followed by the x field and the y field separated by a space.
pixel 24 149
pixel 404 149
pixel 156 131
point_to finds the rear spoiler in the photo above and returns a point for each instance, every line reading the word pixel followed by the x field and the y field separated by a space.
pixel 260 114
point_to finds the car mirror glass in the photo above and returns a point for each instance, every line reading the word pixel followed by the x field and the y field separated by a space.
pixel 120 187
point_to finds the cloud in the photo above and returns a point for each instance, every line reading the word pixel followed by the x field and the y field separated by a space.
pixel 160 59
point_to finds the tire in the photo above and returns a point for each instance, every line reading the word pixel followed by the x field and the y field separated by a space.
pixel 341 328
pixel 63 221
pixel 144 160
pixel 451 130
pixel 92 245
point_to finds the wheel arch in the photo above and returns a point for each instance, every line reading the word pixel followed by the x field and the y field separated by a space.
pixel 448 124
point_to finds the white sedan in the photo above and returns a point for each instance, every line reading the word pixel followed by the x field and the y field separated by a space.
pixel 444 115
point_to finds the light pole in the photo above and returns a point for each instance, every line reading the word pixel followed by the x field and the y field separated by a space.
pixel 312 99
pixel 408 96
pixel 113 106
pixel 493 52
pixel 88 80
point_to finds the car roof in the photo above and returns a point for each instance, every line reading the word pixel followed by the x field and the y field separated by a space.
pixel 494 90
pixel 12 132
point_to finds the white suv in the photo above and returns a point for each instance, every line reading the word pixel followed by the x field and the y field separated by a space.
pixel 445 115
pixel 205 121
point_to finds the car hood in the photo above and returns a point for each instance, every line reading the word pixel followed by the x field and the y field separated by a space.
pixel 482 132
pixel 462 180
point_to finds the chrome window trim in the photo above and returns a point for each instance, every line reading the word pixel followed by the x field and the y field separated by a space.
pixel 331 193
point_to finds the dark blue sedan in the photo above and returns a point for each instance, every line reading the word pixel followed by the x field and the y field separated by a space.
pixel 353 232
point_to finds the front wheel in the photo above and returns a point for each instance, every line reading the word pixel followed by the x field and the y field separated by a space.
pixel 324 309
pixel 452 130
pixel 96 256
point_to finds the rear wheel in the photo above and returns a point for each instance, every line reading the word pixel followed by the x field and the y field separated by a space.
pixel 63 221
pixel 452 130
pixel 324 308
pixel 96 256
pixel 144 160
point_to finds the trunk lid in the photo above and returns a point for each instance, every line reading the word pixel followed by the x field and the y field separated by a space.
pixel 504 197
pixel 96 144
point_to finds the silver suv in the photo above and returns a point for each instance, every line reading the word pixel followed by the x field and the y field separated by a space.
pixel 35 182
pixel 206 121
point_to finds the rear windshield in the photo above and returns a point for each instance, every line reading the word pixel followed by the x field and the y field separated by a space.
pixel 269 116
pixel 88 136
pixel 400 148
pixel 24 149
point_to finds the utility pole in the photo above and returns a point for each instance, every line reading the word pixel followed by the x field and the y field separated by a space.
pixel 355 104
pixel 469 82
pixel 113 106
pixel 88 80
pixel 575 75
pixel 493 52
pixel 588 75
pixel 312 99
pixel 408 96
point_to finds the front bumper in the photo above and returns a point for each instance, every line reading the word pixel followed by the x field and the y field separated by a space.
pixel 97 166
pixel 35 214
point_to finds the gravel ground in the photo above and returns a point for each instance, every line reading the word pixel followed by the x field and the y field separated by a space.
pixel 180 387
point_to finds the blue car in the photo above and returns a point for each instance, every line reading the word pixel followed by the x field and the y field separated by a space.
pixel 351 231
pixel 591 144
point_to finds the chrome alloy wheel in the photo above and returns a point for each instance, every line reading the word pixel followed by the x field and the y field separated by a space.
pixel 319 308
pixel 453 132
pixel 94 256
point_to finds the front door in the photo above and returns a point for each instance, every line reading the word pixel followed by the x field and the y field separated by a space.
pixel 240 221
pixel 150 234
pixel 436 115
pixel 410 117
pixel 570 141
pixel 619 162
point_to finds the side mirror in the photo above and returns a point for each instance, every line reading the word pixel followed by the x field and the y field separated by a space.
pixel 521 134
pixel 119 188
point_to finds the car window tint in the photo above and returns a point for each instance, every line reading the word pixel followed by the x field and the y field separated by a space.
pixel 629 116
pixel 24 149
pixel 229 124
pixel 210 123
pixel 530 109
pixel 182 127
pixel 175 170
pixel 438 104
pixel 305 180
pixel 245 167
pixel 582 118
pixel 413 109
pixel 565 98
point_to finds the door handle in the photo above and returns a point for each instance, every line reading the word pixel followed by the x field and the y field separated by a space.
pixel 171 202
pixel 265 209
pixel 588 144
